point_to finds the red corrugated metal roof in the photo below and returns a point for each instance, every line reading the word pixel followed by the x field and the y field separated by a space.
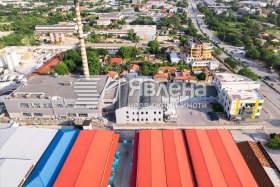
pixel 96 160
pixel 90 160
pixel 70 172
pixel 197 158
pixel 171 163
pixel 226 165
pixel 212 164
pixel 216 152
pixel 144 177
pixel 135 158
pixel 245 176
pixel 107 172
pixel 185 168
pixel 165 161
pixel 157 159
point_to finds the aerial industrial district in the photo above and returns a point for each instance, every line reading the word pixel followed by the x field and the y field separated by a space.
pixel 149 93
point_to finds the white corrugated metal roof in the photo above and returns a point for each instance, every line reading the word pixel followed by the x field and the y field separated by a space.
pixel 13 171
pixel 20 151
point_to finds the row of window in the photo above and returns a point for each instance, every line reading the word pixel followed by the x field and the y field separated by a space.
pixel 49 105
pixel 142 119
pixel 155 112
pixel 68 114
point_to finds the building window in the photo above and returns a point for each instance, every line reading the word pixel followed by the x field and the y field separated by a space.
pixel 127 112
pixel 142 119
pixel 80 106
pixel 155 119
pixel 58 105
pixel 108 103
pixel 146 119
pixel 159 112
pixel 72 115
pixel 83 115
pixel 132 112
pixel 146 112
pixel 35 105
pixel 69 106
pixel 26 114
pixel 38 114
pixel 159 119
pixel 47 105
pixel 142 112
pixel 137 119
pixel 127 116
pixel 155 112
pixel 23 105
pixel 137 112
pixel 133 119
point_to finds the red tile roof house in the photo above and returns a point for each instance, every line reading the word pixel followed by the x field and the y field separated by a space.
pixel 113 74
pixel 160 77
pixel 133 68
pixel 184 76
pixel 113 60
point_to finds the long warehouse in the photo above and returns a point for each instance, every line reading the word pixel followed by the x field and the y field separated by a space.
pixel 90 161
pixel 188 158
pixel 49 165
pixel 162 160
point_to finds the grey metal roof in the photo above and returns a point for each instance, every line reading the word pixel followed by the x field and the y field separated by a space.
pixel 135 95
pixel 51 86
pixel 22 150
pixel 5 134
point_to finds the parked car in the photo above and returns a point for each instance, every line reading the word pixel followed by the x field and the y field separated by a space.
pixel 214 118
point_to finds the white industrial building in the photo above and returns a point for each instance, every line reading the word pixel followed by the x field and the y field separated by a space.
pixel 134 107
pixel 104 22
pixel 145 32
pixel 239 96
pixel 9 60
pixel 58 98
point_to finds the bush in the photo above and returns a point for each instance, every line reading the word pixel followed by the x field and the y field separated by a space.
pixel 274 143
pixel 217 107
pixel 247 72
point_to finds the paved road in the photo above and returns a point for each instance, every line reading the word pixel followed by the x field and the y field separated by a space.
pixel 271 97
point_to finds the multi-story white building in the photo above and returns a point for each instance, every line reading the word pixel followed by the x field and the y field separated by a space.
pixel 238 95
pixel 134 106
pixel 198 66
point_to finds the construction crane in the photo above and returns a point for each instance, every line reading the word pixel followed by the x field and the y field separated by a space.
pixel 82 40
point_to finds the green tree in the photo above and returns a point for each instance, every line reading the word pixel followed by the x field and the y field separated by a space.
pixel 247 72
pixel 61 69
pixel 136 9
pixel 153 46
pixel 86 28
pixel 217 51
pixel 125 52
pixel 70 65
pixel 201 76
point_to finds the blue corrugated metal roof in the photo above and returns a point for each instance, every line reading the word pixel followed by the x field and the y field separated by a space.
pixel 49 165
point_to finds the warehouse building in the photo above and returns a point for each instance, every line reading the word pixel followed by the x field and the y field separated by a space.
pixel 188 158
pixel 20 150
pixel 49 165
pixel 145 32
pixel 90 160
pixel 62 97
